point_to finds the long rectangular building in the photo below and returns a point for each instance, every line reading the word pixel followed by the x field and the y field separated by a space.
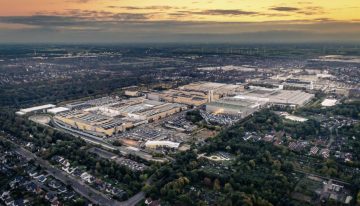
pixel 35 109
pixel 108 116
pixel 234 106
pixel 292 98
pixel 96 124
pixel 197 93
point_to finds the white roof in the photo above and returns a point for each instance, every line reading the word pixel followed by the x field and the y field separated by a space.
pixel 133 148
pixel 33 109
pixel 328 102
pixel 295 118
pixel 20 113
pixel 162 143
pixel 57 110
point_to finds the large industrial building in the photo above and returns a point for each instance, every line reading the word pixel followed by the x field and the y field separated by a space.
pixel 249 101
pixel 234 106
pixel 139 109
pixel 179 96
pixel 279 97
pixel 109 116
pixel 196 94
pixel 57 110
pixel 299 84
pixel 218 89
pixel 96 124
pixel 30 110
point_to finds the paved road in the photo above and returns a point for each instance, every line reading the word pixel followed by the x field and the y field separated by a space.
pixel 134 199
pixel 80 187
pixel 323 177
pixel 83 189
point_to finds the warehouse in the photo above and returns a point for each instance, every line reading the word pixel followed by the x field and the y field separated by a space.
pixel 41 108
pixel 218 88
pixel 57 110
pixel 110 116
pixel 93 123
pixel 178 96
pixel 196 94
pixel 300 84
pixel 139 109
pixel 234 106
pixel 292 98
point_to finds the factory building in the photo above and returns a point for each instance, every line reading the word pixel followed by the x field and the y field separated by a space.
pixel 196 94
pixel 116 116
pixel 95 124
pixel 179 96
pixel 218 89
pixel 299 84
pixel 139 109
pixel 30 110
pixel 57 110
pixel 277 97
pixel 131 93
pixel 234 106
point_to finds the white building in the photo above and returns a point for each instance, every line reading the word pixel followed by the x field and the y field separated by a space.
pixel 157 144
pixel 328 102
pixel 42 108
pixel 292 98
pixel 57 110
pixel 295 118
pixel 235 106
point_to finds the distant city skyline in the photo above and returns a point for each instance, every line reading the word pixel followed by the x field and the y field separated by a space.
pixel 210 21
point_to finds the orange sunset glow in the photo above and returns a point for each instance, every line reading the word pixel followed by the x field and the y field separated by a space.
pixel 142 18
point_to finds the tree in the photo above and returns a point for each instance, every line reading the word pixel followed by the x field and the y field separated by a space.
pixel 98 166
pixel 79 202
pixel 185 200
pixel 228 188
pixel 252 163
pixel 207 182
pixel 217 185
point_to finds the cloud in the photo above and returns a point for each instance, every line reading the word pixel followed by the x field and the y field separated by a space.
pixel 226 12
pixel 131 35
pixel 304 2
pixel 87 26
pixel 285 8
pixel 181 11
pixel 309 10
pixel 79 20
pixel 130 16
pixel 78 14
pixel 146 8
pixel 40 20
pixel 276 12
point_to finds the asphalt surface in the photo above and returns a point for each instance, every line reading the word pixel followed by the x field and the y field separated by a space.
pixel 89 193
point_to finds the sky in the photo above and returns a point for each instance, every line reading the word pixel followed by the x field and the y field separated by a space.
pixel 178 21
